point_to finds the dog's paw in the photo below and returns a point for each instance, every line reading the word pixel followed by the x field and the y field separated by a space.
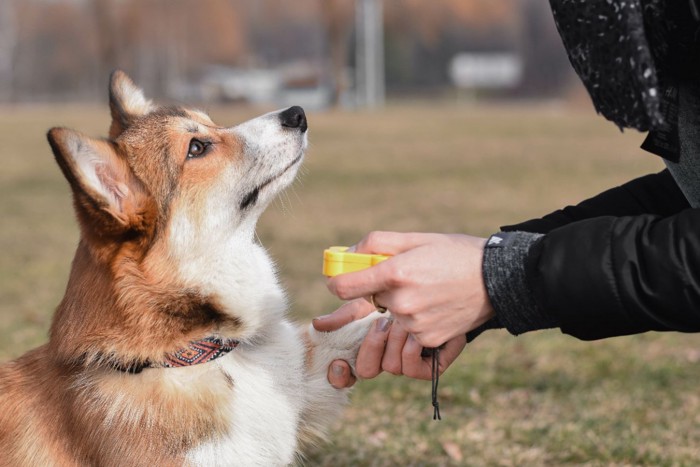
pixel 343 343
pixel 324 402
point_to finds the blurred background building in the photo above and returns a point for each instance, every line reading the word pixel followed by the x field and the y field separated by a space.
pixel 318 53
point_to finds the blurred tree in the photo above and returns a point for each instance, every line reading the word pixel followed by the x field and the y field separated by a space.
pixel 106 30
pixel 8 44
pixel 429 20
pixel 166 42
pixel 422 37
pixel 284 31
pixel 337 16
pixel 55 50
pixel 65 48
pixel 546 67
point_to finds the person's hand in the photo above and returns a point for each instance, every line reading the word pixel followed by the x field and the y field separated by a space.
pixel 387 347
pixel 433 284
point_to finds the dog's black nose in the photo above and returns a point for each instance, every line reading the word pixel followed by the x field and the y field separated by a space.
pixel 294 117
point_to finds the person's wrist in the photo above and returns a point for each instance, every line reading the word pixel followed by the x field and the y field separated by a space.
pixel 506 279
pixel 486 313
pixel 485 310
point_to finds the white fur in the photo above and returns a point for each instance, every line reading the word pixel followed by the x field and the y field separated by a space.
pixel 90 160
pixel 274 390
pixel 215 250
pixel 265 403
pixel 133 100
pixel 273 393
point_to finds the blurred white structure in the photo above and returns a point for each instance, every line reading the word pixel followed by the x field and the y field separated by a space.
pixel 296 83
pixel 256 86
pixel 486 70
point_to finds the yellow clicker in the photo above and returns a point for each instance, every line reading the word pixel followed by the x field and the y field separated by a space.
pixel 337 260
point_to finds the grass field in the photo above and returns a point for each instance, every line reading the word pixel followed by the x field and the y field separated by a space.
pixel 540 399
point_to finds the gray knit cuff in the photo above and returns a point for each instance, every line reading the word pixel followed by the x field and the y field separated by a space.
pixel 505 275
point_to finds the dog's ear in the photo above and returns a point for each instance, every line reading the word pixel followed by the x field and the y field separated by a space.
pixel 107 193
pixel 126 101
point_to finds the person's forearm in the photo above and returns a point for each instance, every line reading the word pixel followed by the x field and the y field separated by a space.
pixel 506 282
pixel 656 194
pixel 601 277
pixel 614 276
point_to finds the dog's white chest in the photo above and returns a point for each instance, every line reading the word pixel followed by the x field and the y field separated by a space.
pixel 265 407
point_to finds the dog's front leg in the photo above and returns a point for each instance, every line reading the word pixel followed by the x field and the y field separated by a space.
pixel 324 403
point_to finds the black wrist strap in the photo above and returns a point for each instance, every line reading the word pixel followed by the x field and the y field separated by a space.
pixel 435 381
pixel 434 352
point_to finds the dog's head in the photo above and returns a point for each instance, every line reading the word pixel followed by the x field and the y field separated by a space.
pixel 165 163
pixel 168 203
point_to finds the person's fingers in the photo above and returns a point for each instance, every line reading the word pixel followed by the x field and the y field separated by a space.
pixel 347 313
pixel 383 276
pixel 451 351
pixel 412 364
pixel 369 357
pixel 390 243
pixel 415 365
pixel 391 361
pixel 339 375
pixel 362 283
pixel 377 301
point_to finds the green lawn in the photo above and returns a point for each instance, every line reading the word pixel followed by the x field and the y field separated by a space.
pixel 540 399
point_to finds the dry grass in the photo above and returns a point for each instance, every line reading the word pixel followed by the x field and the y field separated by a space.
pixel 541 399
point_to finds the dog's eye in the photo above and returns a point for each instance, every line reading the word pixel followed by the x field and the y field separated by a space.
pixel 197 148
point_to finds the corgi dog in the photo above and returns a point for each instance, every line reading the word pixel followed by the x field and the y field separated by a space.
pixel 171 345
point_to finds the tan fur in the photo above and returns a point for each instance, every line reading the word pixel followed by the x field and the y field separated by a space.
pixel 69 419
pixel 125 304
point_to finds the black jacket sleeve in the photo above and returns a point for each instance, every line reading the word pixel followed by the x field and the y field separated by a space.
pixel 651 194
pixel 611 276
pixel 622 262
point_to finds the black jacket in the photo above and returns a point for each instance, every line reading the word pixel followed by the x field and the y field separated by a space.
pixel 624 262
pixel 628 260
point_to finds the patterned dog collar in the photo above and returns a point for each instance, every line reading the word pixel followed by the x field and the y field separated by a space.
pixel 203 351
pixel 196 352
